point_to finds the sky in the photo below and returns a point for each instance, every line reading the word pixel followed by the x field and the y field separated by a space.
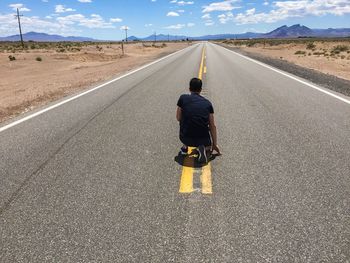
pixel 106 19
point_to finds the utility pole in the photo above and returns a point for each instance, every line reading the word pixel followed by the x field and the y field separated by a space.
pixel 18 16
pixel 155 37
pixel 126 33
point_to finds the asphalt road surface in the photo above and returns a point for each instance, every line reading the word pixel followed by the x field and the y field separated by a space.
pixel 95 179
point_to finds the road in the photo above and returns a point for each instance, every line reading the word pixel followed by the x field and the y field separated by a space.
pixel 94 179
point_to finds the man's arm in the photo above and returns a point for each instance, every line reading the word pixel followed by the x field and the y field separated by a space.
pixel 178 113
pixel 213 133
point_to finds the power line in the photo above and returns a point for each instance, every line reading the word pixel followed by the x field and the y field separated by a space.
pixel 18 16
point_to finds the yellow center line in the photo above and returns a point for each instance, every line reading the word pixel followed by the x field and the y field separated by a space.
pixel 200 73
pixel 206 179
pixel 186 183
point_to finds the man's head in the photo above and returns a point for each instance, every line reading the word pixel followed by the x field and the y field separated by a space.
pixel 196 85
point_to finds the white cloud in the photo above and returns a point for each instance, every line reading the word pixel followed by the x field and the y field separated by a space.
pixel 63 9
pixel 172 14
pixel 148 25
pixel 182 3
pixel 206 16
pixel 116 20
pixel 224 18
pixel 209 23
pixel 290 9
pixel 177 26
pixel 20 7
pixel 85 1
pixel 124 27
pixel 9 26
pixel 55 23
pixel 250 11
pixel 180 26
pixel 220 6
pixel 94 21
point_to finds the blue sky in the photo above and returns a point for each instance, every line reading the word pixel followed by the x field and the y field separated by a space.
pixel 104 19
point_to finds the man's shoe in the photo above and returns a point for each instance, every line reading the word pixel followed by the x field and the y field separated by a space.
pixel 184 150
pixel 202 154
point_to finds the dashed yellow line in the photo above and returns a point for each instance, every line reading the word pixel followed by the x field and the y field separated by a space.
pixel 206 180
pixel 186 183
pixel 200 73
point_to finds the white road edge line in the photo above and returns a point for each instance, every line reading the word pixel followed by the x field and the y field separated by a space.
pixel 290 76
pixel 6 127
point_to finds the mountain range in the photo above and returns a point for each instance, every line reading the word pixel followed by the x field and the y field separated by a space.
pixel 42 37
pixel 293 31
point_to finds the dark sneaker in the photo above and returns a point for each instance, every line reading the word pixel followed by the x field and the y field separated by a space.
pixel 184 150
pixel 202 154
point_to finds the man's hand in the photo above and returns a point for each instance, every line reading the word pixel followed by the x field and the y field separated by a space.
pixel 214 147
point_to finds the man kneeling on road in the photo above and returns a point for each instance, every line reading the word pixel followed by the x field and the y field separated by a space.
pixel 197 127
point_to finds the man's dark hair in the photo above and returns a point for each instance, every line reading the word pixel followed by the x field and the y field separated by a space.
pixel 195 85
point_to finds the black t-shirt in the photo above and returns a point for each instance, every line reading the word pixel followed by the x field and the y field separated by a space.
pixel 195 115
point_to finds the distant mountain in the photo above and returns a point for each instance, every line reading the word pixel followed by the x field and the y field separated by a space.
pixel 42 37
pixel 303 31
pixel 159 37
pixel 290 32
pixel 133 38
pixel 332 32
pixel 162 37
pixel 229 36
pixel 293 31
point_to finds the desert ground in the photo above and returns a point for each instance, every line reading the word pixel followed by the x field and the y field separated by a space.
pixel 44 72
pixel 326 56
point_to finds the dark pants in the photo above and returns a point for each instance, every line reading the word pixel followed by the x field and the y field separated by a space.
pixel 195 142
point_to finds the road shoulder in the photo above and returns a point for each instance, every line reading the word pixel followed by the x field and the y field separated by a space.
pixel 325 80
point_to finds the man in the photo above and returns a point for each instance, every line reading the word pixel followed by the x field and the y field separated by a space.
pixel 197 127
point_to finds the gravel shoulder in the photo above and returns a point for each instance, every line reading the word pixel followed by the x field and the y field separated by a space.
pixel 325 80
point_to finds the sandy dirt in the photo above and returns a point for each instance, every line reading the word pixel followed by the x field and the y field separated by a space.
pixel 319 58
pixel 26 83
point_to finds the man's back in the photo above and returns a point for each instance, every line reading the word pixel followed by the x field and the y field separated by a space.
pixel 195 116
pixel 197 126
